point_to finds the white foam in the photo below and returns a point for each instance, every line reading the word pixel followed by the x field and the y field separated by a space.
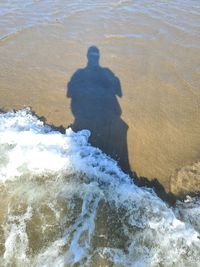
pixel 66 202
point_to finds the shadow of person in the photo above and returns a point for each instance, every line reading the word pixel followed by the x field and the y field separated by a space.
pixel 93 91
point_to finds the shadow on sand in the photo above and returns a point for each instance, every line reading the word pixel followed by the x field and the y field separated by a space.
pixel 93 91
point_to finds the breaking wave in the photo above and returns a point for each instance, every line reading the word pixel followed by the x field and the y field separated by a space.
pixel 65 203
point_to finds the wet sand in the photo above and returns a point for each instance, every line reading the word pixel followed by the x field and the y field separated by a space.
pixel 158 70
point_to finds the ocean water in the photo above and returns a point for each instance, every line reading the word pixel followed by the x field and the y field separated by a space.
pixel 151 46
pixel 20 15
pixel 66 203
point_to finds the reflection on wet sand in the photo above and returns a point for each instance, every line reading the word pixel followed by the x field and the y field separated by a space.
pixel 93 91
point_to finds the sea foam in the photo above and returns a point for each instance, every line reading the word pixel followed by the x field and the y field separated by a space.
pixel 64 202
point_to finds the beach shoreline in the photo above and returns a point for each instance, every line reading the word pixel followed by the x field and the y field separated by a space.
pixel 180 190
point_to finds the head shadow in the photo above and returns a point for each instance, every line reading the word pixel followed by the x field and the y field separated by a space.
pixel 93 56
pixel 94 104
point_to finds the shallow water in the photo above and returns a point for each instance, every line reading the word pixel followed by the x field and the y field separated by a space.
pixel 65 203
pixel 152 47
